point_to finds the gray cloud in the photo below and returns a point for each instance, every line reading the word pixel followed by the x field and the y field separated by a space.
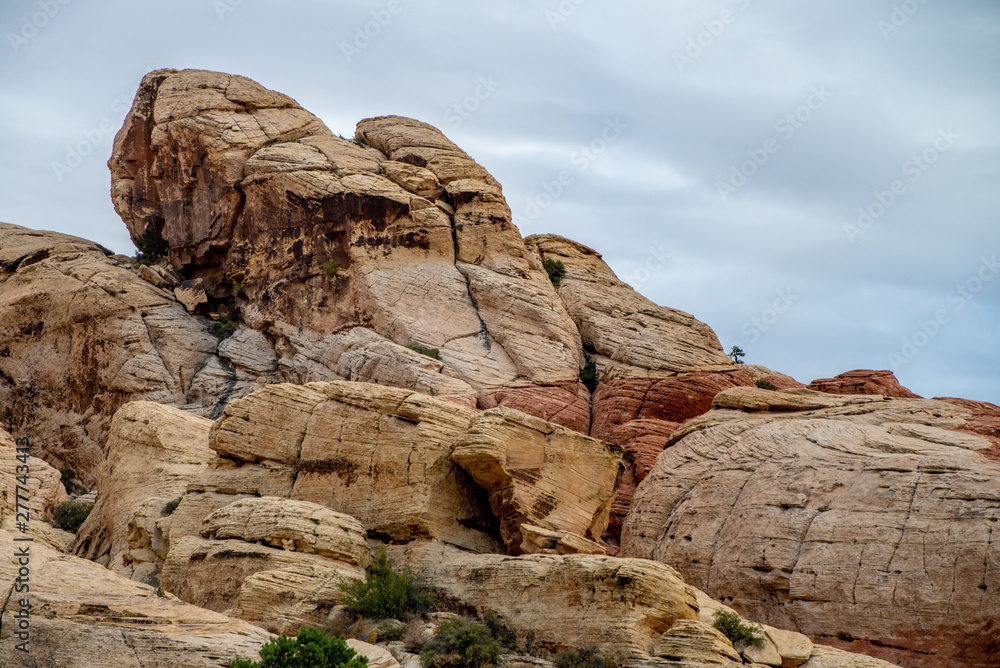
pixel 655 186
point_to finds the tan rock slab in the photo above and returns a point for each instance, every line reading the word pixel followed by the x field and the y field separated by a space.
pixel 93 617
pixel 539 473
pixel 291 525
pixel 153 452
pixel 867 518
pixel 210 573
pixel 621 606
pixel 695 641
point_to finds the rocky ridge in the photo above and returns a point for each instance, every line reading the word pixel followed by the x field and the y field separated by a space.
pixel 348 344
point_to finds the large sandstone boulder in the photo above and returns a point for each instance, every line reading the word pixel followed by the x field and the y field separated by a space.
pixel 855 517
pixel 83 615
pixel 380 454
pixel 539 473
pixel 863 381
pixel 308 233
pixel 621 606
pixel 153 452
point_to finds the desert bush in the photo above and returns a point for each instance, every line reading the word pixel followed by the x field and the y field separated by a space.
pixel 331 267
pixel 498 631
pixel 69 515
pixel 461 644
pixel 430 352
pixel 223 327
pixel 360 629
pixel 391 629
pixel 585 657
pixel 731 626
pixel 588 376
pixel 386 593
pixel 310 649
pixel 67 475
pixel 171 506
pixel 766 385
pixel 555 269
pixel 150 248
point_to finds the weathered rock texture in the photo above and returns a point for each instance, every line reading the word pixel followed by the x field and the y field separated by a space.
pixel 863 381
pixel 153 452
pixel 84 615
pixel 567 404
pixel 28 491
pixel 631 336
pixel 541 474
pixel 81 334
pixel 412 239
pixel 298 526
pixel 622 606
pixel 856 516
pixel 379 454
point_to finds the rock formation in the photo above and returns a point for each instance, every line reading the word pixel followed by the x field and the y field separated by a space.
pixel 331 345
pixel 863 381
pixel 539 474
pixel 856 517
pixel 153 451
pixel 83 615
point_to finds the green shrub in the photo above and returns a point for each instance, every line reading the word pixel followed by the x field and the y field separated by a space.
pixel 359 141
pixel 737 354
pixel 588 376
pixel 430 352
pixel 69 515
pixel 223 327
pixel 730 625
pixel 461 644
pixel 171 506
pixel 555 269
pixel 386 593
pixel 331 267
pixel 766 385
pixel 585 657
pixel 498 631
pixel 311 649
pixel 150 248
pixel 391 629
pixel 237 288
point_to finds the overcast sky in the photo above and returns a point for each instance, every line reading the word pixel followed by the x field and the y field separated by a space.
pixel 719 154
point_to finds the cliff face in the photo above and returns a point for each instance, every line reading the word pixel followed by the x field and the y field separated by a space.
pixel 351 337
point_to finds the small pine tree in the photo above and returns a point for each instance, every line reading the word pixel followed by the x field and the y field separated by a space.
pixel 737 354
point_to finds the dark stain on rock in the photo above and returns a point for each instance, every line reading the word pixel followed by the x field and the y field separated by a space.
pixel 543 506
pixel 234 554
pixel 527 475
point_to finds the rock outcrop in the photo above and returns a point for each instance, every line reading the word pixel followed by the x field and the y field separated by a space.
pixel 851 516
pixel 621 606
pixel 83 615
pixel 863 381
pixel 406 235
pixel 540 474
pixel 379 454
pixel 153 452
pixel 80 335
